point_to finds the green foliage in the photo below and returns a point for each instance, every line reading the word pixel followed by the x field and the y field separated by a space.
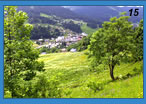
pixel 123 13
pixel 67 92
pixel 87 29
pixel 97 68
pixel 51 50
pixel 95 85
pixel 72 46
pixel 40 87
pixel 54 50
pixel 40 31
pixel 138 42
pixel 47 87
pixel 138 70
pixel 80 45
pixel 72 26
pixel 112 44
pixel 20 57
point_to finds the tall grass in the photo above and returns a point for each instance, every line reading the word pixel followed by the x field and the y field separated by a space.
pixel 77 81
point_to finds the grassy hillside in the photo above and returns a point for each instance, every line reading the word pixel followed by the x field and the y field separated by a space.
pixel 87 29
pixel 77 81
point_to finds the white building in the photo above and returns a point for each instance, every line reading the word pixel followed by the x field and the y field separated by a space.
pixel 84 34
pixel 73 50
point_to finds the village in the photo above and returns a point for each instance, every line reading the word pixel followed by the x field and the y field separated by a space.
pixel 61 42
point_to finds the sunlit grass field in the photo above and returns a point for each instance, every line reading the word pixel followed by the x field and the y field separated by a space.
pixel 76 76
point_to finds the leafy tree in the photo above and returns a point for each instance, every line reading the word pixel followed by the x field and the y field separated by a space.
pixel 20 58
pixel 80 45
pixel 112 44
pixel 138 41
pixel 50 88
pixel 83 44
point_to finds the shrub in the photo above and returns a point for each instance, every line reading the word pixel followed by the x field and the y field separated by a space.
pixel 47 88
pixel 95 67
pixel 138 70
pixel 49 50
pixel 94 85
pixel 67 91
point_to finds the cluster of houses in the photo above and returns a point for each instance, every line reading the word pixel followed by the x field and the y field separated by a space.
pixel 68 40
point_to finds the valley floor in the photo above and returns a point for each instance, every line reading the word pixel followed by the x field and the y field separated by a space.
pixel 76 77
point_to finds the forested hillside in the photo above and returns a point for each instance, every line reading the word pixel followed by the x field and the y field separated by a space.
pixel 46 19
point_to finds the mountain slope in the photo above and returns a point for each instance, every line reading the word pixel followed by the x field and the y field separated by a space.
pixel 103 13
pixel 59 11
pixel 76 79
pixel 51 21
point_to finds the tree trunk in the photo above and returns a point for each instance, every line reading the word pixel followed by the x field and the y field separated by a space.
pixel 12 93
pixel 112 71
pixel 112 74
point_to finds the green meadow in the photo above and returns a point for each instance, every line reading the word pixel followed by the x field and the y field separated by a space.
pixel 77 81
pixel 87 29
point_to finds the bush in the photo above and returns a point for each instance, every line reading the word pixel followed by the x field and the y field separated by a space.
pixel 67 91
pixel 47 88
pixel 72 46
pixel 54 50
pixel 138 70
pixel 51 50
pixel 80 45
pixel 94 85
pixel 95 67
pixel 44 49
